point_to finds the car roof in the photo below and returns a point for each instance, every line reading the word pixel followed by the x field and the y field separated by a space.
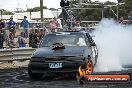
pixel 70 32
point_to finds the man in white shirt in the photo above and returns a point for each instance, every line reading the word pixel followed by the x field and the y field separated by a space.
pixel 77 27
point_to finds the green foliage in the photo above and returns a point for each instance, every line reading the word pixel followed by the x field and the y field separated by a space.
pixel 124 10
pixel 128 5
pixel 53 9
pixel 35 9
pixel 109 3
pixel 4 12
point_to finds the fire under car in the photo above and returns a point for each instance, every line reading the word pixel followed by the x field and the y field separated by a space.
pixel 63 52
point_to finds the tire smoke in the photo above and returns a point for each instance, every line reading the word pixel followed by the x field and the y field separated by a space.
pixel 114 42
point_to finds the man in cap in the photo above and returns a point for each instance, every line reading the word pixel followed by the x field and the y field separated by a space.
pixel 25 25
pixel 11 26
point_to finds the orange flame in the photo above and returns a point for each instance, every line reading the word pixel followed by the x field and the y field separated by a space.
pixel 81 71
pixel 87 70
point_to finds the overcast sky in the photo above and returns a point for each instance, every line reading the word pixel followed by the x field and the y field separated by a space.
pixel 13 4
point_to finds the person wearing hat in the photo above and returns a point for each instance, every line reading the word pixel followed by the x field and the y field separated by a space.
pixel 11 26
pixel 25 25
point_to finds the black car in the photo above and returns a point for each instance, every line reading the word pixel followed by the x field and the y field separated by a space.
pixel 63 52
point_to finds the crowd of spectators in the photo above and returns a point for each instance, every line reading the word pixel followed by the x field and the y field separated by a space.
pixel 13 38
pixel 71 23
pixel 31 37
pixel 125 21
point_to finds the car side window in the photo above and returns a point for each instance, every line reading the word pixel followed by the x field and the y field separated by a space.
pixel 87 40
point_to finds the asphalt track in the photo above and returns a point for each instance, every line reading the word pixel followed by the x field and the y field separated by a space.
pixel 18 78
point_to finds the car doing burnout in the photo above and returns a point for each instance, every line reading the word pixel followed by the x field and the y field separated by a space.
pixel 63 52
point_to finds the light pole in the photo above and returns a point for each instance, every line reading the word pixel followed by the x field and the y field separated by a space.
pixel 117 10
pixel 41 10
pixel 27 7
pixel 102 4
pixel 118 3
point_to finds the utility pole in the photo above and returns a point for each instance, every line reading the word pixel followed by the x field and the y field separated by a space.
pixel 41 10
pixel 102 4
pixel 102 12
pixel 27 7
pixel 118 2
pixel 117 10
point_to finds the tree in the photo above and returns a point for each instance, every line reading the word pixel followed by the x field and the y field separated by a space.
pixel 128 5
pixel 53 9
pixel 124 10
pixel 4 12
pixel 119 1
pixel 35 9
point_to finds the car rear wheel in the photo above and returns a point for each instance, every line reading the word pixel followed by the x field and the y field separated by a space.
pixel 81 79
pixel 86 70
pixel 34 75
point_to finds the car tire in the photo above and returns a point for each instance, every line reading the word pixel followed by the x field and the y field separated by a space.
pixel 89 67
pixel 80 79
pixel 34 75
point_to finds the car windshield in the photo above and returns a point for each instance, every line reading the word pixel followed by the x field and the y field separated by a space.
pixel 73 39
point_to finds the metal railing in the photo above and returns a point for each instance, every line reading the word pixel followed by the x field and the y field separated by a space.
pixel 15 54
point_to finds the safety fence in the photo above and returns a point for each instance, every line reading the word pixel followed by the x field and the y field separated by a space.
pixel 15 54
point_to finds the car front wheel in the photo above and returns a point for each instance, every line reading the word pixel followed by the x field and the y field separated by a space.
pixel 34 75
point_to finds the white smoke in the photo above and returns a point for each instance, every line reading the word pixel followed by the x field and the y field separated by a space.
pixel 114 42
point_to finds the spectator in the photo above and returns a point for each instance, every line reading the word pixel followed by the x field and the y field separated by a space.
pixel 65 25
pixel 41 34
pixel 11 42
pixel 54 25
pixel 2 24
pixel 2 32
pixel 37 26
pixel 72 21
pixel 21 40
pixel 85 27
pixel 11 26
pixel 2 28
pixel 129 19
pixel 121 20
pixel 25 25
pixel 1 40
pixel 33 39
pixel 77 27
